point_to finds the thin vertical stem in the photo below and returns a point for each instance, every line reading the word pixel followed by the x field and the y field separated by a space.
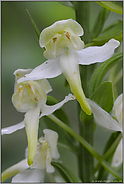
pixel 85 159
pixel 82 17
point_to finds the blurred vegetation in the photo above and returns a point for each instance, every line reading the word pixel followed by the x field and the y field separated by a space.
pixel 20 49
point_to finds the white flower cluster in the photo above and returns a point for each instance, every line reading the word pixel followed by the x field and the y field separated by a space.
pixel 64 51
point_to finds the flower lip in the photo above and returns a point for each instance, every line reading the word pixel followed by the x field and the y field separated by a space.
pixel 59 27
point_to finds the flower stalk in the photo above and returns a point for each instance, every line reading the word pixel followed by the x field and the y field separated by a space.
pixel 85 158
pixel 85 162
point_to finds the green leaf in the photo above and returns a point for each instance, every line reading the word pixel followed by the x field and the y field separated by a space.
pixel 98 26
pixel 113 31
pixel 112 6
pixel 101 71
pixel 34 25
pixel 67 3
pixel 103 96
pixel 66 173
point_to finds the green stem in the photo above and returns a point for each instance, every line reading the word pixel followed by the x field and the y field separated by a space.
pixel 85 158
pixel 86 145
pixel 50 177
pixel 34 25
pixel 82 17
pixel 110 150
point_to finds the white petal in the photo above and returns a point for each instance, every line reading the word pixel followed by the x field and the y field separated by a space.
pixel 104 119
pixel 47 110
pixel 11 129
pixel 49 167
pixel 117 158
pixel 58 27
pixel 118 109
pixel 96 54
pixel 15 169
pixel 20 73
pixel 31 125
pixel 52 138
pixel 31 175
pixel 49 69
pixel 45 85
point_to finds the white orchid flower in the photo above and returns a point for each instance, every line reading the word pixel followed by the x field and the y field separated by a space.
pixel 103 118
pixel 30 97
pixel 65 51
pixel 118 112
pixel 46 150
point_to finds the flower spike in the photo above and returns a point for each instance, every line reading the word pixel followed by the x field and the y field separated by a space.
pixel 65 51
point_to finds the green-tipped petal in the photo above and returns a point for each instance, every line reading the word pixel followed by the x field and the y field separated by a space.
pixel 31 124
pixel 13 170
pixel 69 65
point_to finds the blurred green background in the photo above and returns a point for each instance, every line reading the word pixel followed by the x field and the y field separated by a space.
pixel 20 49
